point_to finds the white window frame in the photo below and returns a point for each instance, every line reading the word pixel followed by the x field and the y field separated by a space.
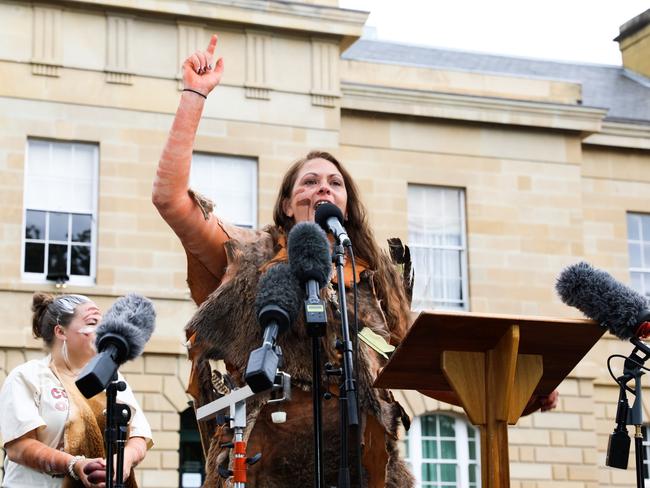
pixel 462 248
pixel 252 224
pixel 462 461
pixel 642 241
pixel 40 278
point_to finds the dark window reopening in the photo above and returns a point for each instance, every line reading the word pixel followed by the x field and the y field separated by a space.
pixel 191 471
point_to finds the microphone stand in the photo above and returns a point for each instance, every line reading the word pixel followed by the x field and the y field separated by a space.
pixel 619 443
pixel 633 366
pixel 235 403
pixel 115 432
pixel 348 405
pixel 316 322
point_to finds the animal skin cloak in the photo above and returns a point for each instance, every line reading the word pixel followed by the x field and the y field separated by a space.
pixel 225 328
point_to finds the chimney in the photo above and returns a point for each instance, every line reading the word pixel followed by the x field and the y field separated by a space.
pixel 634 43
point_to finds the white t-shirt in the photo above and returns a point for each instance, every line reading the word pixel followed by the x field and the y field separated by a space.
pixel 32 397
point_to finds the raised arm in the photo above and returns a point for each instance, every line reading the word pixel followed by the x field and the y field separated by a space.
pixel 202 238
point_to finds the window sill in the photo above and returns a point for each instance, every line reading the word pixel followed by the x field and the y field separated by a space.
pixel 92 290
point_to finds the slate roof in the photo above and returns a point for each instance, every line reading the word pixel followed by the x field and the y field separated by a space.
pixel 624 93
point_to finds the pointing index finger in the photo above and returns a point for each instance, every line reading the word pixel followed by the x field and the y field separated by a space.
pixel 213 44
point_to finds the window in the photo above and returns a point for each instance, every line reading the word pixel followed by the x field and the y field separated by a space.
pixel 191 462
pixel 231 183
pixel 638 245
pixel 60 212
pixel 436 223
pixel 443 452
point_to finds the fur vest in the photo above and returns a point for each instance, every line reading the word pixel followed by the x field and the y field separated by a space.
pixel 84 429
pixel 225 328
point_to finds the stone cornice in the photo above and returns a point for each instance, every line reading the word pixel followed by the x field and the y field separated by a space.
pixel 423 103
pixel 619 134
pixel 284 15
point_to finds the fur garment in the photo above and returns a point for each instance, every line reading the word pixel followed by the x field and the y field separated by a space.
pixel 225 328
pixel 84 429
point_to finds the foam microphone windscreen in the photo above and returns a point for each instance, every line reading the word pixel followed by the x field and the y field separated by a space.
pixel 309 253
pixel 131 317
pixel 603 299
pixel 278 287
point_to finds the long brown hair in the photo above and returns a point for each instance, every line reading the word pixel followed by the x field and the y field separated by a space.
pixel 388 285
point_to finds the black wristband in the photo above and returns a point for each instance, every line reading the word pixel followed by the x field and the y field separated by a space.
pixel 194 91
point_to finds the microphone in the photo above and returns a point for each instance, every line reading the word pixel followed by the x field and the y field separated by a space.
pixel 277 304
pixel 330 218
pixel 311 263
pixel 618 308
pixel 121 336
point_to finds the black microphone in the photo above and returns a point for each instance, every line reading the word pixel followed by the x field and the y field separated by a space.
pixel 330 218
pixel 311 262
pixel 600 297
pixel 277 304
pixel 121 336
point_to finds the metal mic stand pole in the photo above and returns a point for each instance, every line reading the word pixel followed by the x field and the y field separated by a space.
pixel 348 390
pixel 633 367
pixel 117 419
pixel 316 321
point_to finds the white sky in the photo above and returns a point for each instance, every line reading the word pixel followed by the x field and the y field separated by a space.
pixel 569 30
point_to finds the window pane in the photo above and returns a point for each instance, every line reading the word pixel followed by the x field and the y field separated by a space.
pixel 472 473
pixel 80 262
pixel 634 250
pixel 646 288
pixel 471 446
pixel 633 227
pixel 646 255
pixel 645 227
pixel 453 289
pixel 35 224
pixel 57 259
pixel 81 228
pixel 34 257
pixel 429 472
pixel 447 426
pixel 230 182
pixel 447 472
pixel 58 226
pixel 448 449
pixel 428 423
pixel 429 449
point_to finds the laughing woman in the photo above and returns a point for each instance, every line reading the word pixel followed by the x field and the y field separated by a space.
pixel 53 435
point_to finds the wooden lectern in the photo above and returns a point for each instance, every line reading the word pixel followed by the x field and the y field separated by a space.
pixel 491 365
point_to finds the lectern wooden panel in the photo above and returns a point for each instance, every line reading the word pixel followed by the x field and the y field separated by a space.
pixel 491 365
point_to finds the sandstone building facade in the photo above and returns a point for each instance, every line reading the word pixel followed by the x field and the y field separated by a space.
pixel 497 171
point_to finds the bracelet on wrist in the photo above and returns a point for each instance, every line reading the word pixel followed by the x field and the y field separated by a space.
pixel 194 91
pixel 71 465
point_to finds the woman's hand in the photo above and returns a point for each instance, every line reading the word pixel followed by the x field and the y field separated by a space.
pixel 91 472
pixel 200 73
pixel 542 403
pixel 95 471
pixel 549 402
